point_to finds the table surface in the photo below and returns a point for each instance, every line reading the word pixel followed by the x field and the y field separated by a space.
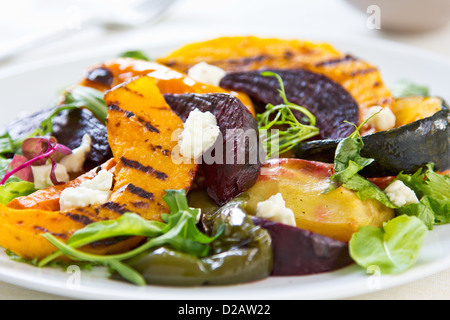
pixel 208 18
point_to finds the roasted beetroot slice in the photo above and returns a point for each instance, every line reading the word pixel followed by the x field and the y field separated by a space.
pixel 325 98
pixel 298 252
pixel 70 126
pixel 225 179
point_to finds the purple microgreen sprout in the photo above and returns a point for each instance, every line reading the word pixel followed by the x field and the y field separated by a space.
pixel 26 173
pixel 37 151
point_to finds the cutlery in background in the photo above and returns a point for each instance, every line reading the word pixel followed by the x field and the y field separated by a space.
pixel 136 13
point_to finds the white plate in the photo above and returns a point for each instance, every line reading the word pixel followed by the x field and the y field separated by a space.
pixel 34 86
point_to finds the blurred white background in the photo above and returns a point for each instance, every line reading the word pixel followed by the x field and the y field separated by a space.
pixel 24 19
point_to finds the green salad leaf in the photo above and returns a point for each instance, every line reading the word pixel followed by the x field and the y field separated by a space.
pixel 348 162
pixel 433 190
pixel 7 144
pixel 406 88
pixel 85 97
pixel 129 224
pixel 428 183
pixel 394 248
pixel 13 187
pixel 11 190
pixel 135 54
pixel 179 232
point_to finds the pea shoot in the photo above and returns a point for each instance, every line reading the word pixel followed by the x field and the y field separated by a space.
pixel 280 130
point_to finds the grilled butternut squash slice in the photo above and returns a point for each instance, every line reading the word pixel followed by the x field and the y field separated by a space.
pixel 360 78
pixel 111 73
pixel 140 129
pixel 48 199
pixel 410 109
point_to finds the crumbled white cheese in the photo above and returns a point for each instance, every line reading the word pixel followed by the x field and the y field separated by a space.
pixel 74 162
pixel 206 73
pixel 199 134
pixel 382 121
pixel 275 209
pixel 400 195
pixel 102 181
pixel 42 178
pixel 91 192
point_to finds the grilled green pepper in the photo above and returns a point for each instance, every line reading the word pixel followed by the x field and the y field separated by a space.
pixel 242 253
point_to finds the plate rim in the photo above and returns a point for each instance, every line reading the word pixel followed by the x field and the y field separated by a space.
pixel 18 279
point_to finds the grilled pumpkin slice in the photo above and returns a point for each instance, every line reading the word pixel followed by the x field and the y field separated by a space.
pixel 48 199
pixel 140 129
pixel 111 73
pixel 360 78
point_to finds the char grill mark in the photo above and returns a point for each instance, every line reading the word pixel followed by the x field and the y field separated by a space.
pixel 140 192
pixel 337 61
pixel 146 169
pixel 113 206
pixel 130 114
pixel 44 230
pixel 79 218
pixel 115 107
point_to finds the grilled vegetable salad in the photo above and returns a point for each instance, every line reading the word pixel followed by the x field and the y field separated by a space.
pixel 225 162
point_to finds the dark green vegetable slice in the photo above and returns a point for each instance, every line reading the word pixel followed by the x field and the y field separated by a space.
pixel 406 148
pixel 242 253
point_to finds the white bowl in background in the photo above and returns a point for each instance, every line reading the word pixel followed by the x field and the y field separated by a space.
pixel 408 15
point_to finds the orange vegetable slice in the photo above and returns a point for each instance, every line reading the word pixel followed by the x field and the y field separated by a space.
pixel 140 128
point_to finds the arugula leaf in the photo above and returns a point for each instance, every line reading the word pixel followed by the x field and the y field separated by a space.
pixel 127 273
pixel 135 54
pixel 428 183
pixel 180 231
pixel 89 98
pixel 433 190
pixel 405 88
pixel 367 190
pixel 7 144
pixel 348 162
pixel 12 256
pixel 393 248
pixel 129 224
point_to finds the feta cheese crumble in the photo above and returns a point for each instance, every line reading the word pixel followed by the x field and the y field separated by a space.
pixel 400 195
pixel 74 162
pixel 41 175
pixel 275 209
pixel 91 192
pixel 206 73
pixel 199 134
pixel 382 121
